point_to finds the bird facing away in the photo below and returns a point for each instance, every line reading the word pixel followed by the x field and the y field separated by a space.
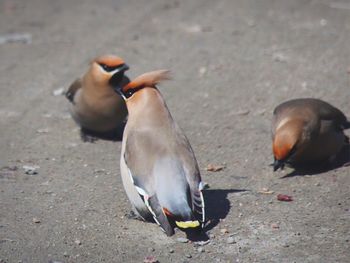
pixel 94 105
pixel 307 131
pixel 159 170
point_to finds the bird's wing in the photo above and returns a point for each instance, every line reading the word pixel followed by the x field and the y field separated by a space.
pixel 189 162
pixel 141 152
pixel 328 113
pixel 322 109
pixel 72 90
pixel 161 178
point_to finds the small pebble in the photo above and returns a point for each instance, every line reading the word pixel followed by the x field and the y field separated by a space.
pixel 260 112
pixel 150 259
pixel 230 240
pixel 323 22
pixel 58 92
pixel 193 29
pixel 171 251
pixel 36 220
pixel 182 239
pixel 151 249
pixel 279 57
pixel 201 249
pixel 241 112
pixel 224 231
pixel 202 243
pixel 202 71
pixel 43 130
pixel 78 242
pixel 188 256
pixel 275 226
pixel 31 169
pixel 24 38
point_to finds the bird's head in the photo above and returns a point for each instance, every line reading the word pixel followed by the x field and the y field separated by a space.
pixel 149 79
pixel 285 143
pixel 108 70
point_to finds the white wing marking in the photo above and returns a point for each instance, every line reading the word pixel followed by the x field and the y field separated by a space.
pixel 145 198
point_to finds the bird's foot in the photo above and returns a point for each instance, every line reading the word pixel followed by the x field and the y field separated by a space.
pixel 133 215
pixel 85 137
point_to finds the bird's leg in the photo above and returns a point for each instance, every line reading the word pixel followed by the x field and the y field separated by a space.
pixel 86 137
pixel 133 215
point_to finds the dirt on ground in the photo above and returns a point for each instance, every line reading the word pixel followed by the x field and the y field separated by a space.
pixel 233 61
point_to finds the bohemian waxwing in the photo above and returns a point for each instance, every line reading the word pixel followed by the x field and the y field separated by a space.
pixel 306 131
pixel 159 170
pixel 95 107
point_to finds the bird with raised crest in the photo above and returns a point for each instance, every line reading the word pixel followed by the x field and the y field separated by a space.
pixel 159 170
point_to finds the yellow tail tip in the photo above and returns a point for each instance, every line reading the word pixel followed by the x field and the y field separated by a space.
pixel 187 224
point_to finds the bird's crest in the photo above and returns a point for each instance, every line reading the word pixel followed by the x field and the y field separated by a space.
pixel 109 60
pixel 149 79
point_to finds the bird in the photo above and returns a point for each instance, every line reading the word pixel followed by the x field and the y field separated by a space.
pixel 159 170
pixel 307 131
pixel 94 105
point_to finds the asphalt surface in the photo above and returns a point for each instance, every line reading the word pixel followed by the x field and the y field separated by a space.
pixel 232 62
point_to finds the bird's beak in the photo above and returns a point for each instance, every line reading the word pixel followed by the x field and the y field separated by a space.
pixel 118 75
pixel 278 164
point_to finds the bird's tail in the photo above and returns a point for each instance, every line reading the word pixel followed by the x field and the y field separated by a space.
pixel 188 224
pixel 184 221
pixel 180 204
pixel 185 216
pixel 149 79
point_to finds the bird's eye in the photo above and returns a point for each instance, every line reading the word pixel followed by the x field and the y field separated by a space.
pixel 108 68
pixel 129 93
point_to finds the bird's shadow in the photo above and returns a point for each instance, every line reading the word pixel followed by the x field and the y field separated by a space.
pixel 92 136
pixel 341 160
pixel 217 207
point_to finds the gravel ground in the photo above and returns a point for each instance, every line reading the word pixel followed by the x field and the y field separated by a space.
pixel 233 61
